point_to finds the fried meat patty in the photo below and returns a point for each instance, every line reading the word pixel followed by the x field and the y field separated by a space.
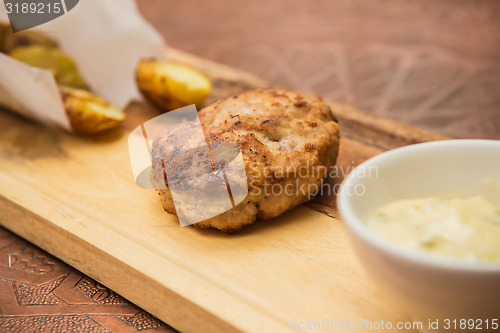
pixel 288 141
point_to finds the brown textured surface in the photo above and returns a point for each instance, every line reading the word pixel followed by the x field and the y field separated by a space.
pixel 363 136
pixel 40 293
pixel 432 64
pixel 283 131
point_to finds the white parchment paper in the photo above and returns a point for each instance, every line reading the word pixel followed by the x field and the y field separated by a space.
pixel 106 38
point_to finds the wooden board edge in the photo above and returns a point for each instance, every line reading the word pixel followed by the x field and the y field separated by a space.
pixel 216 70
pixel 398 131
pixel 171 309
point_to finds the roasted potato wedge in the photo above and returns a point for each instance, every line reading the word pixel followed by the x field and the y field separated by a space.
pixel 60 64
pixel 10 41
pixel 88 113
pixel 3 35
pixel 171 85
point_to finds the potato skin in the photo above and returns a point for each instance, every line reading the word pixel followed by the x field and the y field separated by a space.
pixel 3 35
pixel 65 71
pixel 39 50
pixel 10 41
pixel 171 85
pixel 89 114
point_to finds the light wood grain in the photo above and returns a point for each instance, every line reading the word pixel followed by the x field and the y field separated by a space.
pixel 75 197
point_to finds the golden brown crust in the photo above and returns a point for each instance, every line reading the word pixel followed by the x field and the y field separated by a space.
pixel 288 140
pixel 88 113
pixel 170 85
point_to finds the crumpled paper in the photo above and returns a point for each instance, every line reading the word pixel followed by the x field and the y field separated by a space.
pixel 106 39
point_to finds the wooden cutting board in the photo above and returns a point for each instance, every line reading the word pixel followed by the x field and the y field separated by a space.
pixel 76 198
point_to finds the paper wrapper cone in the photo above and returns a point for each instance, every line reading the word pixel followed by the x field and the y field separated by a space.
pixel 105 38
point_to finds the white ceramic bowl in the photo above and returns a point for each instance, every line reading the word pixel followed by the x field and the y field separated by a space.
pixel 426 286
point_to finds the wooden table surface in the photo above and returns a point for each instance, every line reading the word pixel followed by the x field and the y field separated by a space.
pixel 431 64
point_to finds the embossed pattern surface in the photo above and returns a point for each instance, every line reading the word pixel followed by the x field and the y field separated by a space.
pixel 40 293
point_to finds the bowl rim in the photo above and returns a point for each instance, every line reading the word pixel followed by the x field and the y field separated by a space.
pixel 358 227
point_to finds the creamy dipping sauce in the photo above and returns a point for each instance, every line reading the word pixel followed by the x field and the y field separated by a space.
pixel 467 229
